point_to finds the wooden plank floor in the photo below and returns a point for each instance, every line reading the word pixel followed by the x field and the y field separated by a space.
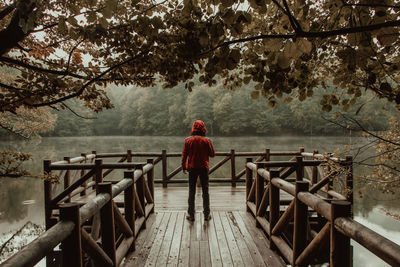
pixel 230 238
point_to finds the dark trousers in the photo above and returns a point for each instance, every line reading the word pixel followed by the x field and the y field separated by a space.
pixel 193 175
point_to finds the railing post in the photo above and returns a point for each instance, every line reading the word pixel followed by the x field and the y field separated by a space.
pixel 95 153
pixel 274 206
pixel 267 155
pixel 129 201
pixel 150 180
pixel 67 179
pixel 329 185
pixel 72 245
pixel 140 192
pixel 129 156
pixel 83 193
pixel 340 254
pixel 299 168
pixel 99 172
pixel 349 178
pixel 300 221
pixel 259 189
pixel 314 178
pixel 107 223
pixel 164 168
pixel 47 194
pixel 233 168
pixel 249 181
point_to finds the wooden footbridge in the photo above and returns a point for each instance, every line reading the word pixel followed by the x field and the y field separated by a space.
pixel 282 208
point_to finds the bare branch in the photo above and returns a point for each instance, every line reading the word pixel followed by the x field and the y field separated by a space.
pixel 14 132
pixel 39 69
pixel 76 114
pixel 80 91
pixel 369 5
pixel 319 34
pixel 293 21
pixel 369 132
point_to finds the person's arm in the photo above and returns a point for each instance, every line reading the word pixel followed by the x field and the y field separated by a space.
pixel 184 157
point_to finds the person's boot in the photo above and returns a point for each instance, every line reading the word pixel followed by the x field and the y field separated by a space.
pixel 190 217
pixel 207 217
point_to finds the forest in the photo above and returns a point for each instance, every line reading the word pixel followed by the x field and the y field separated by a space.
pixel 158 111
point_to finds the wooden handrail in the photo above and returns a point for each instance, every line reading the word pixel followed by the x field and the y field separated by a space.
pixel 382 247
pixel 339 226
pixel 72 187
pixel 40 247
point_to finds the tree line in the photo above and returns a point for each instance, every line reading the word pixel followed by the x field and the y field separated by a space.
pixel 158 111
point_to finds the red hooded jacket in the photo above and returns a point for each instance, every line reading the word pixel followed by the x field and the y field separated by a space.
pixel 197 148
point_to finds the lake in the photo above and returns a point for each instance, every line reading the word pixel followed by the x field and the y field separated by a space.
pixel 21 200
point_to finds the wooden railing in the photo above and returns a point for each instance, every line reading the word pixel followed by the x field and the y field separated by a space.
pixel 92 229
pixel 315 225
pixel 167 177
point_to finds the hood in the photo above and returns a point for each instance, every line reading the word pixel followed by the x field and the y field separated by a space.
pixel 198 128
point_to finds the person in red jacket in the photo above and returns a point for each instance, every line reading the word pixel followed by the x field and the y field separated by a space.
pixel 195 159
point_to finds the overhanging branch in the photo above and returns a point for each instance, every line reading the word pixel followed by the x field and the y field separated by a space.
pixel 302 34
pixel 39 69
pixel 82 89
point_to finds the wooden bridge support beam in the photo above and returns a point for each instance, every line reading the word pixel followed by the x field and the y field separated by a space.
pixel 129 200
pixel 274 206
pixel 233 168
pixel 314 178
pixel 150 180
pixel 259 189
pixel 67 180
pixel 98 176
pixel 107 223
pixel 140 189
pixel 340 254
pixel 164 168
pixel 249 181
pixel 83 193
pixel 300 221
pixel 72 245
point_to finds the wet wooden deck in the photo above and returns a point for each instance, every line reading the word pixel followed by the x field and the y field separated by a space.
pixel 230 238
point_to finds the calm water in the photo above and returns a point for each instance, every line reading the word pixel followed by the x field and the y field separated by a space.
pixel 22 199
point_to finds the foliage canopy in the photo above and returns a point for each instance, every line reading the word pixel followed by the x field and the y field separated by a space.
pixel 72 49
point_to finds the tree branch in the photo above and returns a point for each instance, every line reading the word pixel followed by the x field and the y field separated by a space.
pixel 35 68
pixel 320 34
pixel 369 132
pixel 76 114
pixel 12 88
pixel 14 132
pixel 293 21
pixel 369 5
pixel 80 91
